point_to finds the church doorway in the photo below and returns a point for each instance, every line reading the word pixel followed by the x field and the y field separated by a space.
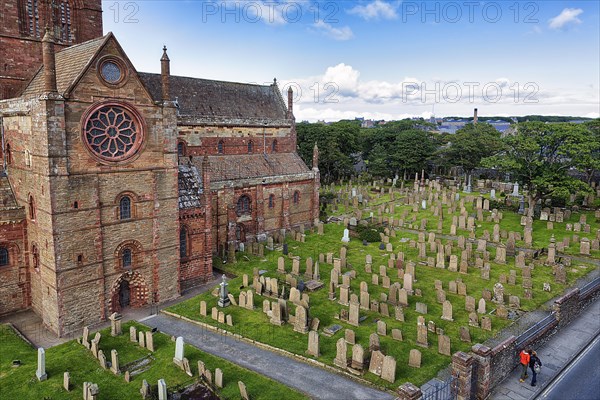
pixel 124 294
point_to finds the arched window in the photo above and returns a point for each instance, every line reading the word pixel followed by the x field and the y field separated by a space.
pixel 274 146
pixel 125 208
pixel 35 257
pixel 30 18
pixel 4 256
pixel 250 147
pixel 181 149
pixel 183 242
pixel 31 208
pixel 220 147
pixel 243 205
pixel 271 200
pixel 296 197
pixel 63 19
pixel 126 258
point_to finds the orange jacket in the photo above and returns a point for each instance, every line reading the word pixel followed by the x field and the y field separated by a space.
pixel 524 357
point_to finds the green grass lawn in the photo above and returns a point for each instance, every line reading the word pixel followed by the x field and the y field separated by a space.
pixel 255 324
pixel 21 383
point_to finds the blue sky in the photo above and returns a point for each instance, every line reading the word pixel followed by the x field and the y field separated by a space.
pixel 380 59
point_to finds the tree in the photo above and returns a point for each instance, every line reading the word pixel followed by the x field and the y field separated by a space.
pixel 469 146
pixel 337 143
pixel 540 156
pixel 397 147
pixel 587 159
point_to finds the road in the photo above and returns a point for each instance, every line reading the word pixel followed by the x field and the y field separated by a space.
pixel 314 381
pixel 580 380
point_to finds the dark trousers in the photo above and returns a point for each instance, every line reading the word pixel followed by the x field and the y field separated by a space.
pixel 534 377
pixel 524 373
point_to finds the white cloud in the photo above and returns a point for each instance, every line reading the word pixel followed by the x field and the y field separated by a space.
pixel 376 10
pixel 340 93
pixel 567 17
pixel 344 33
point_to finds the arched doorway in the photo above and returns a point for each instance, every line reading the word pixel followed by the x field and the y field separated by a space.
pixel 129 290
pixel 124 294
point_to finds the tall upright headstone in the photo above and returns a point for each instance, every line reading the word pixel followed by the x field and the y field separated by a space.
pixel 178 359
pixel 41 369
pixel 162 389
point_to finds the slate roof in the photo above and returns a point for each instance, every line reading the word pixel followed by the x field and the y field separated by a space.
pixel 208 98
pixel 190 186
pixel 70 64
pixel 231 167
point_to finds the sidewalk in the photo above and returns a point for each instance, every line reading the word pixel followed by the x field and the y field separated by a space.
pixel 555 355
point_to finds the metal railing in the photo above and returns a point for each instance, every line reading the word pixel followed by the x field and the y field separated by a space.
pixel 442 391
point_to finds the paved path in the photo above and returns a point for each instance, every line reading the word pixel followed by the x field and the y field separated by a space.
pixel 314 381
pixel 555 355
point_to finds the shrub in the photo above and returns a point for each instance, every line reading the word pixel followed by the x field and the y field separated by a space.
pixel 370 232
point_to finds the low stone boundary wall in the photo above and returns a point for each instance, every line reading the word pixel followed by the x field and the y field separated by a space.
pixel 479 371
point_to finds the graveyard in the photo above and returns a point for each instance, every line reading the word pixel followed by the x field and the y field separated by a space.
pixel 122 368
pixel 449 269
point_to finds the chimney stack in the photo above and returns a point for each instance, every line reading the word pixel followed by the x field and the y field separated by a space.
pixel 165 73
pixel 290 103
pixel 475 116
pixel 49 60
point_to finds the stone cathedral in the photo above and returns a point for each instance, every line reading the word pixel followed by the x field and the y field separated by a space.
pixel 118 186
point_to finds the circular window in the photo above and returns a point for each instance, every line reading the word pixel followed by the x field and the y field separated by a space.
pixel 113 132
pixel 111 72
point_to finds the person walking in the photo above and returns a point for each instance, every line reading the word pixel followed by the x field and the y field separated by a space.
pixel 535 364
pixel 524 358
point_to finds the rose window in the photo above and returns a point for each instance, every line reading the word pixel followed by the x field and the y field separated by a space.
pixel 113 132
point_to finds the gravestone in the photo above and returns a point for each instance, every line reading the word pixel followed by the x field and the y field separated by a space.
pixel 313 344
pixel 115 324
pixel 162 389
pixel 243 390
pixel 179 352
pixel 341 358
pixel 447 311
pixel 388 370
pixel 149 341
pixel 376 364
pixel 444 345
pixel 114 360
pixel 40 373
pixel 374 342
pixel 358 357
pixel 414 359
pixel 219 378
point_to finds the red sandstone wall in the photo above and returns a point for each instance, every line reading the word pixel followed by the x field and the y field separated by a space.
pixel 21 54
pixel 15 293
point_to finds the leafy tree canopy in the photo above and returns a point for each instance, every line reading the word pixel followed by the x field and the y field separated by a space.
pixel 540 156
